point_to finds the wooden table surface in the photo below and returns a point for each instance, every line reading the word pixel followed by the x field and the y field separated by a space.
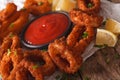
pixel 115 0
pixel 103 65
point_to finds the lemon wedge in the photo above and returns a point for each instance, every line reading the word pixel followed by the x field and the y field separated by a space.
pixel 112 26
pixel 54 4
pixel 104 37
pixel 65 5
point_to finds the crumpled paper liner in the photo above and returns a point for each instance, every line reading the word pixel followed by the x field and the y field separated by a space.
pixel 110 10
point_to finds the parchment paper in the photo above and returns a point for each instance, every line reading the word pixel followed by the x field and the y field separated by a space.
pixel 108 10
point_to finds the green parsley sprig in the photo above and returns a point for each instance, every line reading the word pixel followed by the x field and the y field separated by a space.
pixel 90 5
pixel 11 25
pixel 85 35
pixel 40 3
pixel 8 52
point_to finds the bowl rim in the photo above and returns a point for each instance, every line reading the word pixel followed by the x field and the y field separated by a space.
pixel 45 45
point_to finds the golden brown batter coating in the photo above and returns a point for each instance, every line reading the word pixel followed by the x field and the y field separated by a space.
pixel 81 18
pixel 37 7
pixel 89 6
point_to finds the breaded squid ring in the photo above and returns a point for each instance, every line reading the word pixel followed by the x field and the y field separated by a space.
pixel 37 7
pixel 10 55
pixel 75 35
pixel 9 42
pixel 89 6
pixel 10 9
pixel 86 38
pixel 25 71
pixel 9 62
pixel 81 18
pixel 6 23
pixel 19 23
pixel 80 33
pixel 66 53
pixel 26 75
pixel 22 74
pixel 42 61
pixel 32 65
pixel 67 60
pixel 15 24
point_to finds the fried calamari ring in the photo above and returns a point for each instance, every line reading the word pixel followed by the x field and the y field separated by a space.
pixel 25 71
pixel 10 42
pixel 42 60
pixel 9 62
pixel 35 64
pixel 18 24
pixel 81 18
pixel 66 53
pixel 6 23
pixel 80 34
pixel 9 56
pixel 37 7
pixel 67 60
pixel 86 38
pixel 15 24
pixel 10 9
pixel 24 74
pixel 89 6
pixel 75 35
pixel 12 20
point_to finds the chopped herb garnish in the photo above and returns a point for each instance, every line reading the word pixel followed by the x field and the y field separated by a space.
pixel 15 52
pixel 85 34
pixel 11 35
pixel 104 22
pixel 44 49
pixel 64 76
pixel 8 52
pixel 116 56
pixel 101 46
pixel 36 66
pixel 40 3
pixel 90 5
pixel 58 77
pixel 23 8
pixel 86 78
pixel 81 68
pixel 76 74
pixel 107 60
pixel 11 25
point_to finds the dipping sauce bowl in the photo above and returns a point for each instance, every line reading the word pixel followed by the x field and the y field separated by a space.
pixel 45 29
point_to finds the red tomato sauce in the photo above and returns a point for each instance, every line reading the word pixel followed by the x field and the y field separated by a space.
pixel 46 28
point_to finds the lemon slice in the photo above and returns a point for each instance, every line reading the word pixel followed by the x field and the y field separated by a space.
pixel 66 5
pixel 113 26
pixel 104 37
pixel 54 4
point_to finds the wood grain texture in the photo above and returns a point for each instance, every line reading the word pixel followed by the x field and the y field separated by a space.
pixel 103 65
pixel 115 1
